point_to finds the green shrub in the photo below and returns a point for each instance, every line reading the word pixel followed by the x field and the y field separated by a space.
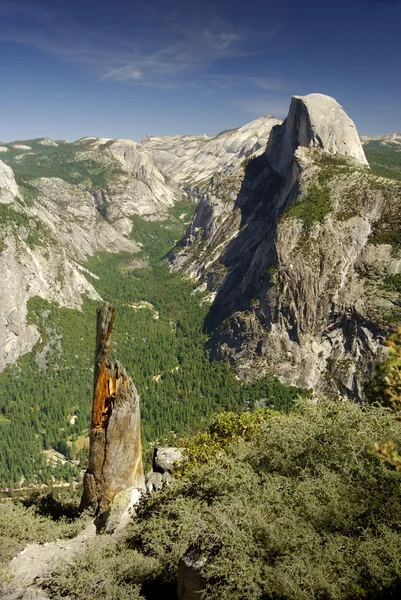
pixel 107 570
pixel 224 429
pixel 313 207
pixel 302 510
pixel 21 525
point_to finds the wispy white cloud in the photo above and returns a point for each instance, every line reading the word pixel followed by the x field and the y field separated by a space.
pixel 171 51
pixel 191 53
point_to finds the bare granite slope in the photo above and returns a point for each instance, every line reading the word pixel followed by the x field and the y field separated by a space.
pixel 193 160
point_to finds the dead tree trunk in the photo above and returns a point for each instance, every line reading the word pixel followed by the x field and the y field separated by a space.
pixel 115 454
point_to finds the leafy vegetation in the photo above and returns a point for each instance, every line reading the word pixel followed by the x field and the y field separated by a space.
pixel 301 510
pixel 14 220
pixel 389 376
pixel 66 161
pixel 393 282
pixel 223 430
pixel 21 525
pixel 313 207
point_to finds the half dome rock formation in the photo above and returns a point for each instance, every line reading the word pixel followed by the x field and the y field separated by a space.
pixel 314 121
pixel 294 248
pixel 8 185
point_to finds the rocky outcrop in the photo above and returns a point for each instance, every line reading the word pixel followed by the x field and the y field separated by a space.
pixel 33 565
pixel 8 185
pixel 42 246
pixel 164 462
pixel 290 255
pixel 164 459
pixel 121 510
pixel 139 189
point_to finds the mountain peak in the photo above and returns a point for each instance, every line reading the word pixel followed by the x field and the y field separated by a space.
pixel 314 121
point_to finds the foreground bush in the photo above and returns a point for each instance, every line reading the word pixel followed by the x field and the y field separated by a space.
pixel 21 525
pixel 223 430
pixel 302 510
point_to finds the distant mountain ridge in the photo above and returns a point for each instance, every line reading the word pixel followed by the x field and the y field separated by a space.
pixel 193 160
pixel 388 137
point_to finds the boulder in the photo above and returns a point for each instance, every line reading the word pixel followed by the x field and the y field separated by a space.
pixel 164 459
pixel 191 575
pixel 154 481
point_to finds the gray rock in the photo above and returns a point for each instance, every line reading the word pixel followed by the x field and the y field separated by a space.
pixel 36 562
pixel 8 185
pixel 154 481
pixel 121 510
pixel 164 459
pixel 314 121
pixel 166 478
pixel 195 159
pixel 191 577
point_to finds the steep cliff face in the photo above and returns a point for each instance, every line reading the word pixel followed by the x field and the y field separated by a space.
pixel 297 253
pixel 42 248
pixel 8 185
pixel 140 188
pixel 51 225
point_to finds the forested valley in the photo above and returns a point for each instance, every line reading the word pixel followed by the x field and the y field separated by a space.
pixel 45 398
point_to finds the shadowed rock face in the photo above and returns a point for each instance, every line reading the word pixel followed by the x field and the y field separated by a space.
pixel 296 292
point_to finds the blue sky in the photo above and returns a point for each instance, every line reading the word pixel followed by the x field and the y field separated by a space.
pixel 127 68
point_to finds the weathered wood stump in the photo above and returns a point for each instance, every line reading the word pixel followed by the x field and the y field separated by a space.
pixel 115 453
